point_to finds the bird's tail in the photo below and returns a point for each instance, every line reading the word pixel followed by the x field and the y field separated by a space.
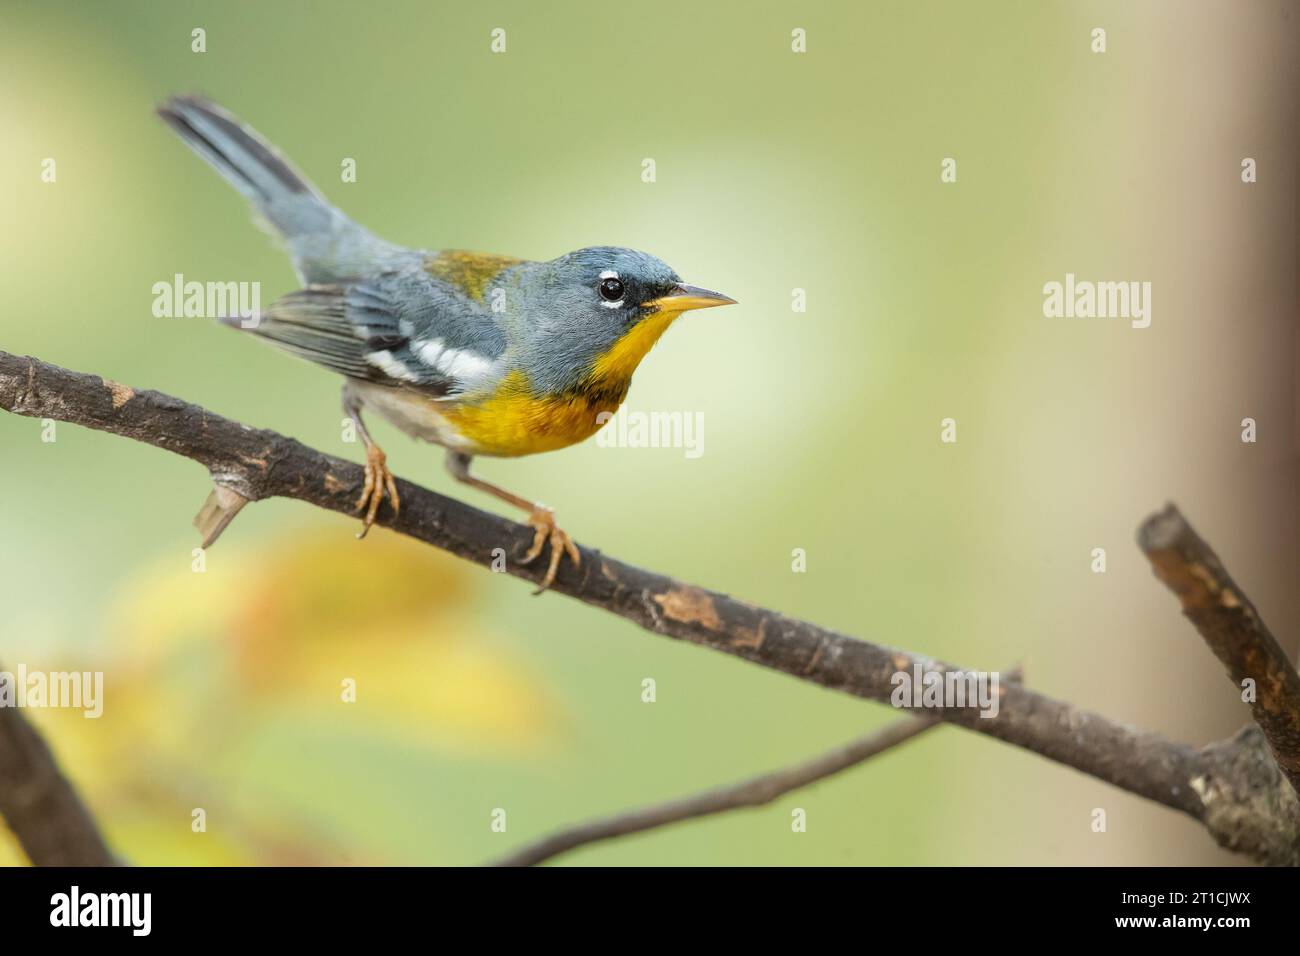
pixel 325 244
pixel 283 196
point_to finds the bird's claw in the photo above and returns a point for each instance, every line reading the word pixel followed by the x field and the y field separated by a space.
pixel 542 520
pixel 378 481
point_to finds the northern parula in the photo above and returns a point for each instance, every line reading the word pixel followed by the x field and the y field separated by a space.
pixel 481 354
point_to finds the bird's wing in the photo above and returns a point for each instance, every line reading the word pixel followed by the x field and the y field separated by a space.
pixel 400 328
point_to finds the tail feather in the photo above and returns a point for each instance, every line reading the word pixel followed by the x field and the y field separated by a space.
pixel 282 195
pixel 250 163
pixel 325 244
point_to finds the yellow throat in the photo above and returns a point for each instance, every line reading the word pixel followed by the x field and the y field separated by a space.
pixel 517 421
pixel 616 366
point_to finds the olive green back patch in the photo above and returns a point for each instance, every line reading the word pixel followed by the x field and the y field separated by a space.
pixel 471 272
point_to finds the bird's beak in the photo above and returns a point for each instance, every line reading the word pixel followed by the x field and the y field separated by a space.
pixel 690 297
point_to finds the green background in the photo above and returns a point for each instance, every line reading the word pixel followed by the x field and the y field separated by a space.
pixel 775 171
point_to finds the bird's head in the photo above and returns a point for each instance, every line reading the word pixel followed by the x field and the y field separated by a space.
pixel 603 308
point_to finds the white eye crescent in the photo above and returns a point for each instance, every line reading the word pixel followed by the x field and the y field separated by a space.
pixel 610 289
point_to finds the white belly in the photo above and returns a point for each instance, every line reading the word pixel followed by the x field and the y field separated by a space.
pixel 414 414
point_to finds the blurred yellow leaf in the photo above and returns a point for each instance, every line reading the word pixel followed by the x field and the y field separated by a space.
pixel 314 630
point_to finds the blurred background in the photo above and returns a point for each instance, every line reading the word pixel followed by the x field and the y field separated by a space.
pixel 775 171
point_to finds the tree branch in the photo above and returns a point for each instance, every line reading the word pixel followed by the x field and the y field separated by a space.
pixel 753 792
pixel 1232 627
pixel 42 809
pixel 258 464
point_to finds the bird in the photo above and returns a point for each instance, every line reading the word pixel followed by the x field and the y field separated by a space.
pixel 481 354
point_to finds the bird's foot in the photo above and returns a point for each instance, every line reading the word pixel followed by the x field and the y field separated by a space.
pixel 378 480
pixel 543 521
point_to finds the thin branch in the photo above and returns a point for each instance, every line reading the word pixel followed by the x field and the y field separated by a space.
pixel 754 792
pixel 1229 623
pixel 52 825
pixel 259 464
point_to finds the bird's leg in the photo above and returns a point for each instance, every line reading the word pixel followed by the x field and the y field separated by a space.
pixel 540 518
pixel 378 478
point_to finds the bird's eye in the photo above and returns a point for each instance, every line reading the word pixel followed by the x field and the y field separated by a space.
pixel 611 289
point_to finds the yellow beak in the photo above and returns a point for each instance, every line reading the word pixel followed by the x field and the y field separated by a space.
pixel 690 297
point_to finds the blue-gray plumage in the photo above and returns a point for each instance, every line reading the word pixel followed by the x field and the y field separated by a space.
pixel 483 354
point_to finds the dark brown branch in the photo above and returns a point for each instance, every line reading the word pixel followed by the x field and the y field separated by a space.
pixel 1232 627
pixel 42 809
pixel 754 792
pixel 259 464
pixel 748 793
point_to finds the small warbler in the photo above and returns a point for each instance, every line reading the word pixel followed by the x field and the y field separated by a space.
pixel 481 354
